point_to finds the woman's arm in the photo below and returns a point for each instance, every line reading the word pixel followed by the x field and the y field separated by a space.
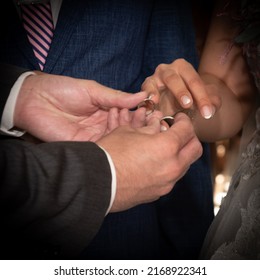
pixel 220 95
pixel 224 71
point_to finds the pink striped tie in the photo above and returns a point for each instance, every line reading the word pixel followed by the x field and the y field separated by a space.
pixel 37 21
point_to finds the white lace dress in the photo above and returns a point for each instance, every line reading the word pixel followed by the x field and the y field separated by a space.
pixel 235 231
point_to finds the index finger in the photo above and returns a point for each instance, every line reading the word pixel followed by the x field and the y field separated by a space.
pixel 150 86
pixel 197 88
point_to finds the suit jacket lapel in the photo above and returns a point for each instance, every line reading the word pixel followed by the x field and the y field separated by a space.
pixel 70 12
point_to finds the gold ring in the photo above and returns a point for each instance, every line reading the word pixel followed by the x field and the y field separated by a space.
pixel 148 104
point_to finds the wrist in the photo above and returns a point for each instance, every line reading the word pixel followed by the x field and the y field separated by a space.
pixel 8 125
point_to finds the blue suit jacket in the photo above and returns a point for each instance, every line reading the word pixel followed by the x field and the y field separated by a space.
pixel 119 43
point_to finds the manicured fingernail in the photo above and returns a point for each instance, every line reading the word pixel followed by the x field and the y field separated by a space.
pixel 207 112
pixel 185 100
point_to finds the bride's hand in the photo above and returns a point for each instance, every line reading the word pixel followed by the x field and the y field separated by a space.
pixel 180 86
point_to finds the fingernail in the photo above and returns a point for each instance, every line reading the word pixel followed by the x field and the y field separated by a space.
pixel 185 100
pixel 164 128
pixel 207 112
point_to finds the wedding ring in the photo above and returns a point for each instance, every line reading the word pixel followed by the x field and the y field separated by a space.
pixel 168 119
pixel 148 104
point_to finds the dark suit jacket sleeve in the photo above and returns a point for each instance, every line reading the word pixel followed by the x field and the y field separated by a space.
pixel 53 199
pixel 8 75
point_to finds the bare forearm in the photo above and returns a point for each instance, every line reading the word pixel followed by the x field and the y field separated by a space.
pixel 225 73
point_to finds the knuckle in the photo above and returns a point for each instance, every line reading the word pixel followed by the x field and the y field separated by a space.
pixel 217 101
pixel 166 189
pixel 180 62
pixel 195 82
pixel 146 82
pixel 199 149
pixel 147 79
pixel 161 67
pixel 172 78
pixel 92 82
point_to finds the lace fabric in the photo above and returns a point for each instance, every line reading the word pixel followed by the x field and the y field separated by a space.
pixel 235 231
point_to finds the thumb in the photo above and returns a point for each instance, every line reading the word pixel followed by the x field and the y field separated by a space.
pixel 126 100
pixel 110 98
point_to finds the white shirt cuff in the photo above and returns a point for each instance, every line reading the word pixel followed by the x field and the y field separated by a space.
pixel 7 121
pixel 113 183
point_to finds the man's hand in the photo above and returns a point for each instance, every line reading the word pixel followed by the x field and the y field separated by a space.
pixel 148 162
pixel 53 108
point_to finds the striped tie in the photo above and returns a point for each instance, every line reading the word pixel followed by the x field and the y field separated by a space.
pixel 37 21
